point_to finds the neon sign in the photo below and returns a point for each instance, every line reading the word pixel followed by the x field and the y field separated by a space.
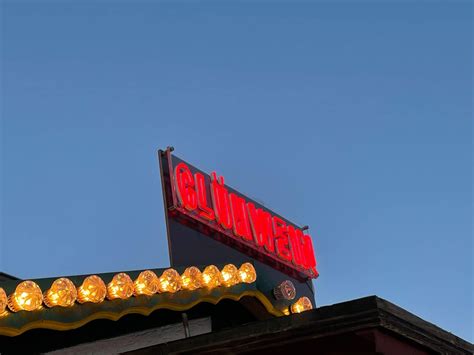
pixel 208 201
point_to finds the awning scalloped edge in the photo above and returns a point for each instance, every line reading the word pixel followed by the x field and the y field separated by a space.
pixel 114 316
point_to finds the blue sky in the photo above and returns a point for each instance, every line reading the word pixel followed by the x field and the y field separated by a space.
pixel 352 117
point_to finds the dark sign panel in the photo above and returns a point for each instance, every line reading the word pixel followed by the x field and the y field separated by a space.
pixel 210 221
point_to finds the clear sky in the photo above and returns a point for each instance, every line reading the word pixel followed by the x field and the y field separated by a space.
pixel 351 117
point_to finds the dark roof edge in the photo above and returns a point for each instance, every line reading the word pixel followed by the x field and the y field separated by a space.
pixel 405 323
pixel 362 313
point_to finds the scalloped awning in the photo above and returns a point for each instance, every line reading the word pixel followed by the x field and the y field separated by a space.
pixel 66 318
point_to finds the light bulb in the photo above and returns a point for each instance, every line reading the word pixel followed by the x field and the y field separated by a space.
pixel 230 275
pixel 92 290
pixel 247 273
pixel 121 287
pixel 192 278
pixel 303 304
pixel 27 297
pixel 170 281
pixel 62 293
pixel 211 276
pixel 147 283
pixel 286 290
pixel 3 300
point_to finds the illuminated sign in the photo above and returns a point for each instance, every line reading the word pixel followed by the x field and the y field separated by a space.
pixel 206 199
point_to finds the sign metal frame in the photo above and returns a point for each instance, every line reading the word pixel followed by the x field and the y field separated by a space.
pixel 174 210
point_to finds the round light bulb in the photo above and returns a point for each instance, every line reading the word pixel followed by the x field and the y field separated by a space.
pixel 147 283
pixel 92 290
pixel 303 304
pixel 170 281
pixel 62 293
pixel 121 287
pixel 247 273
pixel 27 297
pixel 191 278
pixel 211 276
pixel 286 290
pixel 230 275
pixel 3 301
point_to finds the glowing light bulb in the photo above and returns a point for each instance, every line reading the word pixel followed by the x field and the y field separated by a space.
pixel 121 287
pixel 3 300
pixel 303 304
pixel 170 281
pixel 62 293
pixel 27 297
pixel 191 278
pixel 92 290
pixel 230 275
pixel 147 283
pixel 247 273
pixel 211 276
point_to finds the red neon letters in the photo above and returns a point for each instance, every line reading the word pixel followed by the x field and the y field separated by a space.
pixel 186 192
pixel 204 210
pixel 230 212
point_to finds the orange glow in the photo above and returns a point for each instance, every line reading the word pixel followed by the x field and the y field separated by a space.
pixel 27 297
pixel 170 281
pixel 121 287
pixel 92 290
pixel 147 283
pixel 3 300
pixel 303 304
pixel 62 293
pixel 211 276
pixel 230 275
pixel 192 278
pixel 247 273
